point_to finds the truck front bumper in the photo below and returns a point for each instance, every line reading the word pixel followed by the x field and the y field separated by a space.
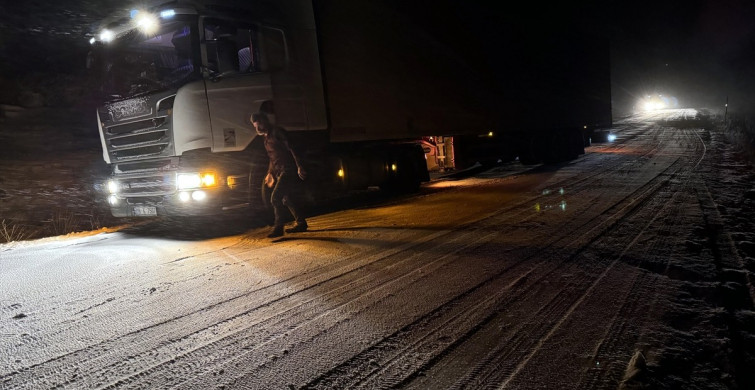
pixel 185 203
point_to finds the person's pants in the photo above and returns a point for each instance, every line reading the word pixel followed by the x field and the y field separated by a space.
pixel 287 192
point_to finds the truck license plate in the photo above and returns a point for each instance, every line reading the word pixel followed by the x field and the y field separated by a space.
pixel 141 211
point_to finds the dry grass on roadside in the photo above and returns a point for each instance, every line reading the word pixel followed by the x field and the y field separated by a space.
pixel 61 222
pixel 14 231
pixel 65 221
pixel 741 130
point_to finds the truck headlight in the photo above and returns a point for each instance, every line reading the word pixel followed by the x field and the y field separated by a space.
pixel 196 180
pixel 113 187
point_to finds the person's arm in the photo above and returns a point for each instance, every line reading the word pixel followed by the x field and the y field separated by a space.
pixel 283 137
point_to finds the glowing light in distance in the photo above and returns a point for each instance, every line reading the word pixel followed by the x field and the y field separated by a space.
pixel 167 14
pixel 654 105
pixel 611 137
pixel 92 40
pixel 393 167
pixel 341 173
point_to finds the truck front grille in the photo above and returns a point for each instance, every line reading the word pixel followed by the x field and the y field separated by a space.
pixel 138 128
pixel 147 166
pixel 140 151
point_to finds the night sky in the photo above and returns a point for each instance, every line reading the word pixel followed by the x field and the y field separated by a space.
pixel 701 51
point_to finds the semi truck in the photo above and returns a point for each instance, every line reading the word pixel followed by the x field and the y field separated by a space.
pixel 372 94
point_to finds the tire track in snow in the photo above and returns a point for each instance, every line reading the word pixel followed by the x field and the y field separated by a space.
pixel 141 346
pixel 347 368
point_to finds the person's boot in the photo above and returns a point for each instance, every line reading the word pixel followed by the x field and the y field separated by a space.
pixel 277 232
pixel 298 228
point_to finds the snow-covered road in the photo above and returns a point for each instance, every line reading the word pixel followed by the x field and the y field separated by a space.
pixel 614 268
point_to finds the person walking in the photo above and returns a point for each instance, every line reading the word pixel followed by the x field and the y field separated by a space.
pixel 284 175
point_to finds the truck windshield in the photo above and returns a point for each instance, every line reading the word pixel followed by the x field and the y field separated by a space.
pixel 135 64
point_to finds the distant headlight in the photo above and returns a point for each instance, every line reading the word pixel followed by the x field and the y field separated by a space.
pixel 611 138
pixel 654 105
pixel 196 180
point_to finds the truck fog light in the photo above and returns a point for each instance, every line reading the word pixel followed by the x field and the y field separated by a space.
pixel 198 195
pixel 113 200
pixel 184 196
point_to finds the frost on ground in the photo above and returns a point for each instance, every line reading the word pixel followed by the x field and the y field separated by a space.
pixel 712 320
pixel 630 267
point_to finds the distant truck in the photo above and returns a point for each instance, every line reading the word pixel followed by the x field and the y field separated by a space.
pixel 370 96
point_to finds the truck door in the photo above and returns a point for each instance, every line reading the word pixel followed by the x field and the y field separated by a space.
pixel 288 94
pixel 235 84
pixel 248 71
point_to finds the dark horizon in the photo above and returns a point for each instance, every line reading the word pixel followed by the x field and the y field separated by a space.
pixel 702 53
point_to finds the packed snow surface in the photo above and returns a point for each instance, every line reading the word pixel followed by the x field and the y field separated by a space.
pixel 628 267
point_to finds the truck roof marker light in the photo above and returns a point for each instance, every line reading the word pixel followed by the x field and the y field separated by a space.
pixel 106 35
pixel 168 13
pixel 146 22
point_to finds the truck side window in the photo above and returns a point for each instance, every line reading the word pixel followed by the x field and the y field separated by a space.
pixel 231 46
pixel 274 41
